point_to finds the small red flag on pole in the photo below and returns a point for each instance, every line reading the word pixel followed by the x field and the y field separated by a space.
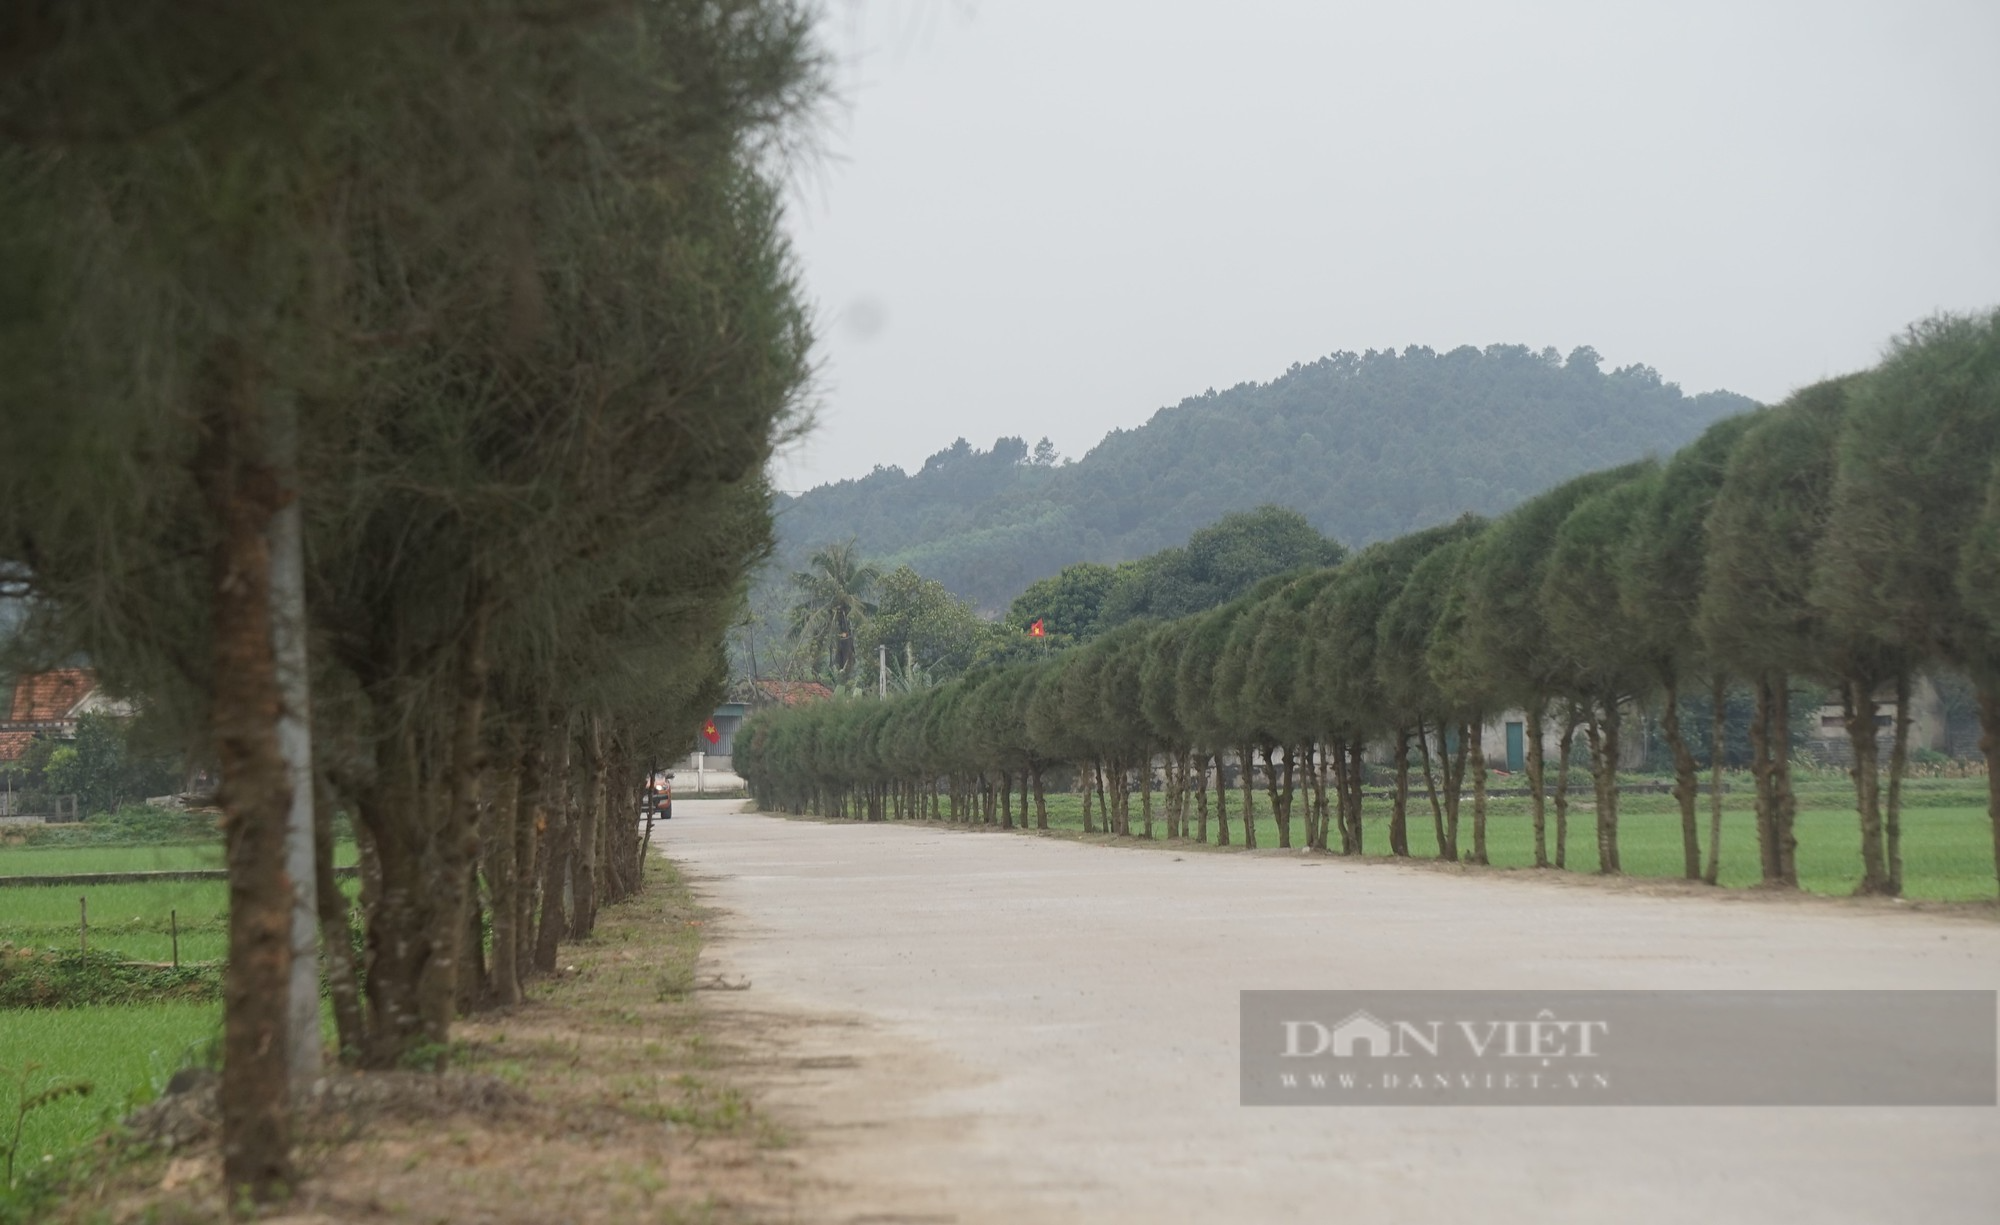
pixel 708 729
pixel 1035 629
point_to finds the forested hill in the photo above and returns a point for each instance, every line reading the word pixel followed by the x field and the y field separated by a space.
pixel 1367 446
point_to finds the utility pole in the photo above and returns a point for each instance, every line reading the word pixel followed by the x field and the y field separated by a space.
pixel 288 648
pixel 882 664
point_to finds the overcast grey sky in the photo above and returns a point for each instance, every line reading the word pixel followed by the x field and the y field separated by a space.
pixel 1038 217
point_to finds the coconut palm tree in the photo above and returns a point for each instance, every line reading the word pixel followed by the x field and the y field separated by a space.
pixel 833 596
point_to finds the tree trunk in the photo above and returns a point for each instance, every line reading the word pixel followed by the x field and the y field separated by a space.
pixel 1177 790
pixel 1343 795
pixel 243 496
pixel 1603 733
pixel 1686 785
pixel 1281 802
pixel 1899 762
pixel 472 988
pixel 1857 702
pixel 1431 786
pixel 401 921
pixel 1146 795
pixel 1989 747
pixel 1399 812
pixel 1356 775
pixel 1476 748
pixel 1718 725
pixel 583 869
pixel 502 877
pixel 1781 777
pixel 1564 753
pixel 1088 786
pixel 1760 769
pixel 530 848
pixel 1318 758
pixel 1454 788
pixel 554 926
pixel 1249 765
pixel 343 988
pixel 457 843
pixel 1223 805
pixel 1537 716
pixel 1201 797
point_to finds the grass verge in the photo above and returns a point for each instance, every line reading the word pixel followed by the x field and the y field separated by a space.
pixel 1947 838
pixel 608 1096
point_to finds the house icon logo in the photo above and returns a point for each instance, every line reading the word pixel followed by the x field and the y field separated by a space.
pixel 1362 1030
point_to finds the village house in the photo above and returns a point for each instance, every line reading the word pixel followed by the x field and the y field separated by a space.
pixel 49 704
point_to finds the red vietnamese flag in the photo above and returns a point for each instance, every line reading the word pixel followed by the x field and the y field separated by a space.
pixel 1035 629
pixel 708 730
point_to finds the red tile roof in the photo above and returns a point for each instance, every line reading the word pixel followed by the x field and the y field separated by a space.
pixel 14 744
pixel 49 697
pixel 793 693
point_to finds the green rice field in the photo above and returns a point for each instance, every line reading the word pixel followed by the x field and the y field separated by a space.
pixel 133 919
pixel 172 857
pixel 125 1052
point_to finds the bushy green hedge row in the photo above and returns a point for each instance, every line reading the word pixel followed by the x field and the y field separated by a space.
pixel 46 978
pixel 1840 543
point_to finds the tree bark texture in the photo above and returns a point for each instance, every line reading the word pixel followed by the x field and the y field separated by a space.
pixel 1687 787
pixel 242 495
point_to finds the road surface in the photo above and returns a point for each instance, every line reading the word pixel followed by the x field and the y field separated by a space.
pixel 981 1027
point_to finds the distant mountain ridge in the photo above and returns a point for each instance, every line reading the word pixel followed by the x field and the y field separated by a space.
pixel 1367 446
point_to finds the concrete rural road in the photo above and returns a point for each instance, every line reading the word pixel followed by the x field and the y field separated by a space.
pixel 981 1027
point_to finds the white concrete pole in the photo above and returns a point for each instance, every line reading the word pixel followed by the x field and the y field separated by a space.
pixel 288 644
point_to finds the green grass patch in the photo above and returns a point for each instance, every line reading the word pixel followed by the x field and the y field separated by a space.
pixel 41 978
pixel 1947 838
pixel 133 826
pixel 77 859
pixel 132 920
pixel 126 1053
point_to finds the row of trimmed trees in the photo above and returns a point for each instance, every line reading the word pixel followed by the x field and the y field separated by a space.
pixel 494 299
pixel 1844 539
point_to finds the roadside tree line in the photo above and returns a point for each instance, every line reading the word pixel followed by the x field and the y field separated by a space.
pixel 494 299
pixel 1846 539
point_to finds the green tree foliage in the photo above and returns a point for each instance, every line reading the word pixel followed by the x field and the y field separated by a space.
pixel 1756 615
pixel 1218 563
pixel 1603 660
pixel 1660 579
pixel 101 767
pixel 833 599
pixel 1508 649
pixel 505 295
pixel 1906 567
pixel 1365 688
pixel 1595 599
pixel 918 620
pixel 1067 603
